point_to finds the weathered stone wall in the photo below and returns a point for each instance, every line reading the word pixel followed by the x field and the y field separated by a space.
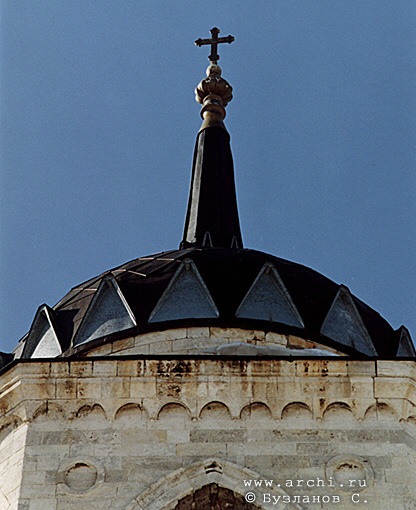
pixel 12 451
pixel 197 340
pixel 136 434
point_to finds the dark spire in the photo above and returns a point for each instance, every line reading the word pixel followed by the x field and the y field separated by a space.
pixel 212 216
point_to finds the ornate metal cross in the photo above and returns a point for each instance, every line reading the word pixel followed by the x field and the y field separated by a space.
pixel 214 42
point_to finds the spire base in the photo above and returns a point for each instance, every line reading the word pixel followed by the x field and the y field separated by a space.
pixel 213 116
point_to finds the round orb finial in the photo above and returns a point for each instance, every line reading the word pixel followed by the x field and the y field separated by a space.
pixel 214 93
pixel 213 69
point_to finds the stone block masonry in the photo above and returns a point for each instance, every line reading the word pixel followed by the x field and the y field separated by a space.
pixel 132 433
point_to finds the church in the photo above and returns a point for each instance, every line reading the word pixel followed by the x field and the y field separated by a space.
pixel 209 377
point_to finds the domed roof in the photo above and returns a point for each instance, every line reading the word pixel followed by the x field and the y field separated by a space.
pixel 212 280
pixel 220 287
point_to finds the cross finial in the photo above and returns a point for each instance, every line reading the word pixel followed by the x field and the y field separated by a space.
pixel 214 41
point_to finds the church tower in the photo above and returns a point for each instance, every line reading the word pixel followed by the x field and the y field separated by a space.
pixel 208 377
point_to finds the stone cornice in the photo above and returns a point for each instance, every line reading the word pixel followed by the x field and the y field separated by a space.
pixel 317 387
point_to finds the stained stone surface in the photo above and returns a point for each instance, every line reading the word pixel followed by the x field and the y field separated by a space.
pixel 127 433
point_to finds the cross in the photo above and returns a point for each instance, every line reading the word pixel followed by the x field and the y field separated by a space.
pixel 214 42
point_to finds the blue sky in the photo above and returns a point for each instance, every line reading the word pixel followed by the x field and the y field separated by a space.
pixel 98 123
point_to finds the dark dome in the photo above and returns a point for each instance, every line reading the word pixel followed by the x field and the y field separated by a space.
pixel 228 275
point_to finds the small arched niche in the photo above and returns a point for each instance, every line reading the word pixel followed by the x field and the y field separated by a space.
pixel 380 412
pixel 255 412
pixel 174 415
pixel 296 411
pixel 131 415
pixel 214 413
pixel 339 411
pixel 90 417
